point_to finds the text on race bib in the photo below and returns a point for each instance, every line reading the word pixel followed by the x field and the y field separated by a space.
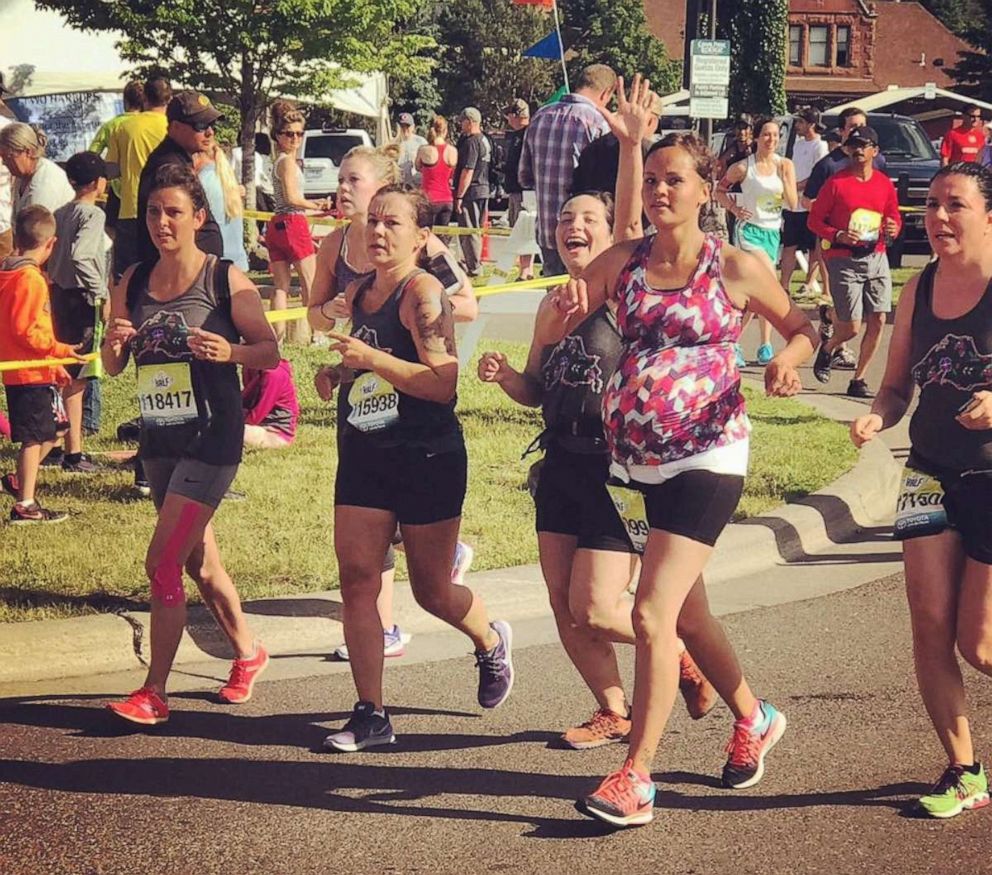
pixel 165 394
pixel 920 506
pixel 375 403
pixel 633 514
pixel 865 223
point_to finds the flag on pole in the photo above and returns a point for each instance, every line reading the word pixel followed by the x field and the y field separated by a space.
pixel 546 47
pixel 547 4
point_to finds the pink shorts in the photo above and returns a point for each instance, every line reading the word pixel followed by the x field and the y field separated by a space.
pixel 287 238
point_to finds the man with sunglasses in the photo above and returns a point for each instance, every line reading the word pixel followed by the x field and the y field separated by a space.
pixel 191 118
pixel 964 143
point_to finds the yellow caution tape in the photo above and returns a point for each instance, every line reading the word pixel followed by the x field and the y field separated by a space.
pixel 445 230
pixel 44 363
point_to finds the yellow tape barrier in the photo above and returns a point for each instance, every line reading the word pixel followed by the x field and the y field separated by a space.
pixel 292 313
pixel 441 230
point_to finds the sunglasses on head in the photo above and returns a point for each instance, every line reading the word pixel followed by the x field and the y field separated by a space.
pixel 293 134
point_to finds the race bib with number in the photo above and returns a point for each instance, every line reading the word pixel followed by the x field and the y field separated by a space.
pixel 866 223
pixel 633 514
pixel 920 508
pixel 770 203
pixel 375 403
pixel 165 394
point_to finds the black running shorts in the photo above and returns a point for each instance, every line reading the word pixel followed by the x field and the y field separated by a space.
pixel 694 504
pixel 36 413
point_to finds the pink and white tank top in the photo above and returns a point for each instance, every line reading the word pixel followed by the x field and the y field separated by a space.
pixel 676 392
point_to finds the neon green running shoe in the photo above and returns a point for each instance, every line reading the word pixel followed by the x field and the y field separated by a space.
pixel 956 791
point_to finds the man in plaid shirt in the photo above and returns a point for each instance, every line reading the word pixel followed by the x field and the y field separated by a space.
pixel 555 138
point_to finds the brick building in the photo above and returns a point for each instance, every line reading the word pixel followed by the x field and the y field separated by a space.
pixel 843 49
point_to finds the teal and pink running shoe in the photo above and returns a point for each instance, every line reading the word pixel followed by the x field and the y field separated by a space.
pixel 623 799
pixel 751 741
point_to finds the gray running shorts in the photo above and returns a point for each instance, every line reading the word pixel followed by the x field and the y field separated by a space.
pixel 859 285
pixel 190 478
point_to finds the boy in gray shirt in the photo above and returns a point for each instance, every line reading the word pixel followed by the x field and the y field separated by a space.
pixel 78 271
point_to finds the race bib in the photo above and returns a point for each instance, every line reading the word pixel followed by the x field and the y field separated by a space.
pixel 770 203
pixel 633 514
pixel 920 508
pixel 866 223
pixel 375 403
pixel 165 394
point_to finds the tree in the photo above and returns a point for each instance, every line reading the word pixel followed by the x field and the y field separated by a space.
pixel 757 32
pixel 615 32
pixel 959 16
pixel 253 50
pixel 973 72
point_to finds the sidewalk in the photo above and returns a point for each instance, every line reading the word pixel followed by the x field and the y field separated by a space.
pixel 831 533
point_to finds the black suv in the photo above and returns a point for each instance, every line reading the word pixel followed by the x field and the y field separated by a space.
pixel 911 162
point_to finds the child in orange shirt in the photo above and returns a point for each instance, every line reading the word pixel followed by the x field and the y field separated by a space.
pixel 34 404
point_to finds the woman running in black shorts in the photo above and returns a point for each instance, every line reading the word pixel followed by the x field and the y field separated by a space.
pixel 188 320
pixel 678 435
pixel 402 461
pixel 942 343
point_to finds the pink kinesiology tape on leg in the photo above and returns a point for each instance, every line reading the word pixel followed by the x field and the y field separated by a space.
pixel 167 577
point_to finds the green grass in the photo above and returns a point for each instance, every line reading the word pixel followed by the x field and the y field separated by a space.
pixel 900 276
pixel 279 540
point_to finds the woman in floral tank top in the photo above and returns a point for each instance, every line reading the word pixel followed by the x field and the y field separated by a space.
pixel 678 437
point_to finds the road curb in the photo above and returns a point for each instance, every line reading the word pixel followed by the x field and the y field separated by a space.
pixel 311 623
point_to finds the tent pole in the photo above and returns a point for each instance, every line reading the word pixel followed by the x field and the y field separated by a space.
pixel 561 45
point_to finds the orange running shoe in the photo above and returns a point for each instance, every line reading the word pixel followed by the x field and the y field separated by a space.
pixel 244 673
pixel 623 799
pixel 604 727
pixel 699 694
pixel 143 706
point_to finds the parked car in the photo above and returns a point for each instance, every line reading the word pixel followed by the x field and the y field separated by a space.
pixel 322 152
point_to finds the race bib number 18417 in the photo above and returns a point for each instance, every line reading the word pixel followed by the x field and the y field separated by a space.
pixel 165 394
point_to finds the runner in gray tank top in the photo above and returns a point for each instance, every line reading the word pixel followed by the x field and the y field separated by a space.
pixel 188 321
pixel 942 343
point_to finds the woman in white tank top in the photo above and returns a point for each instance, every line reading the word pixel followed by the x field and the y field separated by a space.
pixel 768 183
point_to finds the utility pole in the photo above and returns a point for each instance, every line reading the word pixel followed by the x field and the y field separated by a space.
pixel 708 123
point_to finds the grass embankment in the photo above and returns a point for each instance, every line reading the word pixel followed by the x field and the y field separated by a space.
pixel 279 540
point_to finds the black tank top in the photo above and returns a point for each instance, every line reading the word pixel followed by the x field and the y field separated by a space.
pixel 952 358
pixel 190 408
pixel 344 273
pixel 370 408
pixel 574 374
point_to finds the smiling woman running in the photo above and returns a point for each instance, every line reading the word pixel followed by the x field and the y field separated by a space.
pixel 188 319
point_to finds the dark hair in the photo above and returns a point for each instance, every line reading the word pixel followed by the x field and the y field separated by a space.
pixel 702 157
pixel 834 136
pixel 179 176
pixel 742 122
pixel 33 227
pixel 809 115
pixel 972 107
pixel 134 95
pixel 604 197
pixel 761 121
pixel 845 114
pixel 423 214
pixel 973 170
pixel 158 92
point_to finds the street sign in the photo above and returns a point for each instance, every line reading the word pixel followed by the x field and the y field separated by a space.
pixel 709 78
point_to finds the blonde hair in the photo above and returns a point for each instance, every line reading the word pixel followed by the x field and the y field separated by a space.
pixel 21 137
pixel 382 161
pixel 233 207
pixel 438 129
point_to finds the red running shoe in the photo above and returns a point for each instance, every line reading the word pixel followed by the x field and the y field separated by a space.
pixel 143 706
pixel 244 673
pixel 699 694
pixel 623 799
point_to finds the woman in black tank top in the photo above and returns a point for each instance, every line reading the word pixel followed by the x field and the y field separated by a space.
pixel 402 461
pixel 188 321
pixel 942 343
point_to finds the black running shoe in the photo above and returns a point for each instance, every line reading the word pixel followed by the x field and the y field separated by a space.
pixel 53 459
pixel 821 367
pixel 826 326
pixel 364 729
pixel 859 389
pixel 34 513
pixel 83 465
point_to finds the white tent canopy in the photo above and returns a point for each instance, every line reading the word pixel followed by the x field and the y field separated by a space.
pixel 944 102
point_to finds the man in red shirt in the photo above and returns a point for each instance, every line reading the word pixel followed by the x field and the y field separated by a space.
pixel 964 143
pixel 855 213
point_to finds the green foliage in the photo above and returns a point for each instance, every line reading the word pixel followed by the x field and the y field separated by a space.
pixel 615 32
pixel 973 72
pixel 757 32
pixel 960 16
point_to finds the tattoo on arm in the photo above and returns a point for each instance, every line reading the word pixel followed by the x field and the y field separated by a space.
pixel 435 326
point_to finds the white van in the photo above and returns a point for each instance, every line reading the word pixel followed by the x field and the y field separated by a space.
pixel 322 152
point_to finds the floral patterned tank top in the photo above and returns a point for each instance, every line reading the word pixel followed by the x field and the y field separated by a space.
pixel 676 392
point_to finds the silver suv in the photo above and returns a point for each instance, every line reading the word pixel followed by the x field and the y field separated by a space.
pixel 322 153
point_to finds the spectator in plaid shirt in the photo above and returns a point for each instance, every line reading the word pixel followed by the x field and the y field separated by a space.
pixel 555 138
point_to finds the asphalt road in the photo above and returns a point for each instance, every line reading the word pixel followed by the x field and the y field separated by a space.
pixel 222 790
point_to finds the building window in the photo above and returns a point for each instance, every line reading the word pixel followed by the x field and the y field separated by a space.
pixel 819 46
pixel 796 45
pixel 843 46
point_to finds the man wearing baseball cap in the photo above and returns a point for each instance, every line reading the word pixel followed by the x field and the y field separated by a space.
pixel 854 215
pixel 471 183
pixel 517 115
pixel 191 117
pixel 409 142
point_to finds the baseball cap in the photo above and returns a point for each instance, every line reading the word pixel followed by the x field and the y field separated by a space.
pixel 472 114
pixel 192 108
pixel 406 119
pixel 86 167
pixel 862 134
pixel 834 136
pixel 518 106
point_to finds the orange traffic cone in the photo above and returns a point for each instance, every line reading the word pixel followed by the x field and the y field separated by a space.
pixel 485 235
